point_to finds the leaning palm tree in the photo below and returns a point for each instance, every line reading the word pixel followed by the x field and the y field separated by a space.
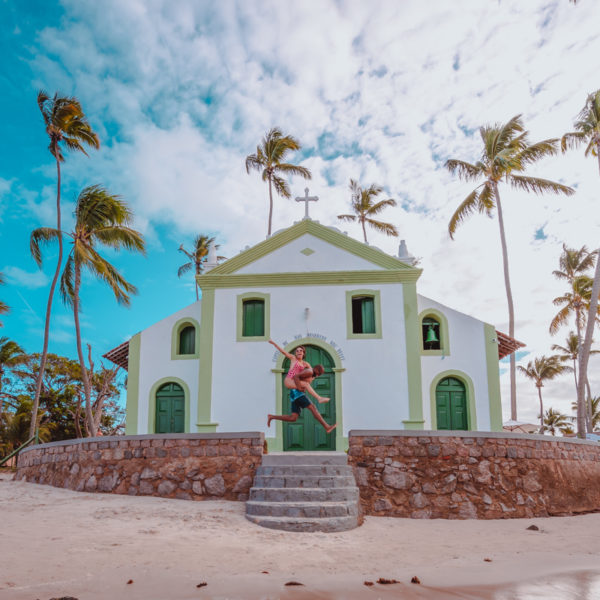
pixel 365 208
pixel 506 152
pixel 66 124
pixel 197 256
pixel 269 159
pixel 11 355
pixel 587 130
pixel 554 421
pixel 543 369
pixel 101 219
pixel 3 307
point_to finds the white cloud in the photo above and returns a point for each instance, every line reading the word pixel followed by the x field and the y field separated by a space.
pixel 18 276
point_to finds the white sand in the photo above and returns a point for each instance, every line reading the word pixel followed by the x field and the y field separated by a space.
pixel 56 543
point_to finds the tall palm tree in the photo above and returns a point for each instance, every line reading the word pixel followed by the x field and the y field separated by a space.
pixel 66 124
pixel 506 152
pixel 364 208
pixel 587 130
pixel 573 302
pixel 543 369
pixel 197 256
pixel 594 405
pixel 3 307
pixel 11 355
pixel 101 219
pixel 554 421
pixel 269 158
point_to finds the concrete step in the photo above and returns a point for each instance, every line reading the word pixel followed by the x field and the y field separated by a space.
pixel 301 509
pixel 305 470
pixel 304 458
pixel 303 481
pixel 328 524
pixel 342 494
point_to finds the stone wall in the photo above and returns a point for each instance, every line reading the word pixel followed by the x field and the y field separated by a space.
pixel 473 475
pixel 201 466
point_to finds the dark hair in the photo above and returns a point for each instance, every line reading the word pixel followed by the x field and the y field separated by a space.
pixel 303 351
pixel 320 370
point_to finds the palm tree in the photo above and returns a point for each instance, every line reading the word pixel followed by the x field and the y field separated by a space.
pixel 506 151
pixel 65 124
pixel 574 303
pixel 364 208
pixel 573 263
pixel 3 307
pixel 587 129
pixel 269 158
pixel 197 257
pixel 594 406
pixel 11 355
pixel 554 421
pixel 100 219
pixel 543 369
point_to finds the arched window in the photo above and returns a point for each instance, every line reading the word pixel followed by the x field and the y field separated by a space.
pixel 432 334
pixel 187 340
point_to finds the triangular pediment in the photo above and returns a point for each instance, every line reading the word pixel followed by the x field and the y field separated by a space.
pixel 309 246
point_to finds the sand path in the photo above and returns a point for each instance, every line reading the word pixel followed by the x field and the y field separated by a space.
pixel 57 543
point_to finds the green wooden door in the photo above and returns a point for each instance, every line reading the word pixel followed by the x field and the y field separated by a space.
pixel 170 409
pixel 307 433
pixel 451 405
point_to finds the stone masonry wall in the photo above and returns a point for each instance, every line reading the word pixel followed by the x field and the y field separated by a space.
pixel 202 466
pixel 473 475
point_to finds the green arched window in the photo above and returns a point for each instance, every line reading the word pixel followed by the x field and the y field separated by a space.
pixel 187 340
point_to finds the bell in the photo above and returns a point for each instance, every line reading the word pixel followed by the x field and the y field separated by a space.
pixel 431 337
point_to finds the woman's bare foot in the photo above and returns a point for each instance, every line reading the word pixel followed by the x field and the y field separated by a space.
pixel 269 419
pixel 330 428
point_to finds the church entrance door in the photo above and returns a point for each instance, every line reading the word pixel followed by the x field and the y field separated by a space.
pixel 306 433
pixel 451 404
pixel 170 409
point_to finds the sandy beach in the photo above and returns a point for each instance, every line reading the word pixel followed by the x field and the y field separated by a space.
pixel 58 543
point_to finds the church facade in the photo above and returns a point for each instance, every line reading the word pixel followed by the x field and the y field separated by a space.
pixel 393 359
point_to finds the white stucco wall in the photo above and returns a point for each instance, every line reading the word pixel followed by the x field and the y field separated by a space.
pixel 156 363
pixel 374 385
pixel 467 355
pixel 326 257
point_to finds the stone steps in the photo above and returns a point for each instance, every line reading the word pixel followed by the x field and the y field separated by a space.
pixel 304 491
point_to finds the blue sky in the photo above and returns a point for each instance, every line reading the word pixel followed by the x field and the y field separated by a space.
pixel 384 92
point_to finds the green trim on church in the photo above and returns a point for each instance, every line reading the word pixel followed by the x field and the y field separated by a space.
pixel 204 424
pixel 413 357
pixel 327 234
pixel 493 376
pixel 133 385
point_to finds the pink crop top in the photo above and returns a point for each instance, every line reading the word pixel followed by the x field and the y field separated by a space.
pixel 297 368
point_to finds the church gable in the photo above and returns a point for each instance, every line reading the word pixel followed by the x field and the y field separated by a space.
pixel 308 246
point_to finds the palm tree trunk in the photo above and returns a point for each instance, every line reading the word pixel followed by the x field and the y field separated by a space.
pixel 511 310
pixel 43 357
pixel 539 387
pixel 588 406
pixel 362 222
pixel 584 355
pixel 270 206
pixel 195 280
pixel 87 388
pixel 1 396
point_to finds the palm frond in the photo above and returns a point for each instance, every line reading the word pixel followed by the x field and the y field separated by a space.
pixel 572 140
pixel 346 217
pixel 539 186
pixel 183 269
pixel 281 186
pixel 67 288
pixel 531 154
pixel 293 170
pixel 466 171
pixel 40 236
pixel 466 208
pixel 385 228
pixel 508 133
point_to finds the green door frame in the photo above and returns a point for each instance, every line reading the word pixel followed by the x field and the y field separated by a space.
pixel 275 444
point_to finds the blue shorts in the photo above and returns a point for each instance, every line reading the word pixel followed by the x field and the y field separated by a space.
pixel 299 401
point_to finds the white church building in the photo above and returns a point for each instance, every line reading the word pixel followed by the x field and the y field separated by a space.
pixel 393 359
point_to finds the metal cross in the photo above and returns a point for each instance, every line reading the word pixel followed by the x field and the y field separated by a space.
pixel 306 199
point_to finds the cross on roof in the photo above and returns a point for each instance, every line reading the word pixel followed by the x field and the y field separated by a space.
pixel 306 199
